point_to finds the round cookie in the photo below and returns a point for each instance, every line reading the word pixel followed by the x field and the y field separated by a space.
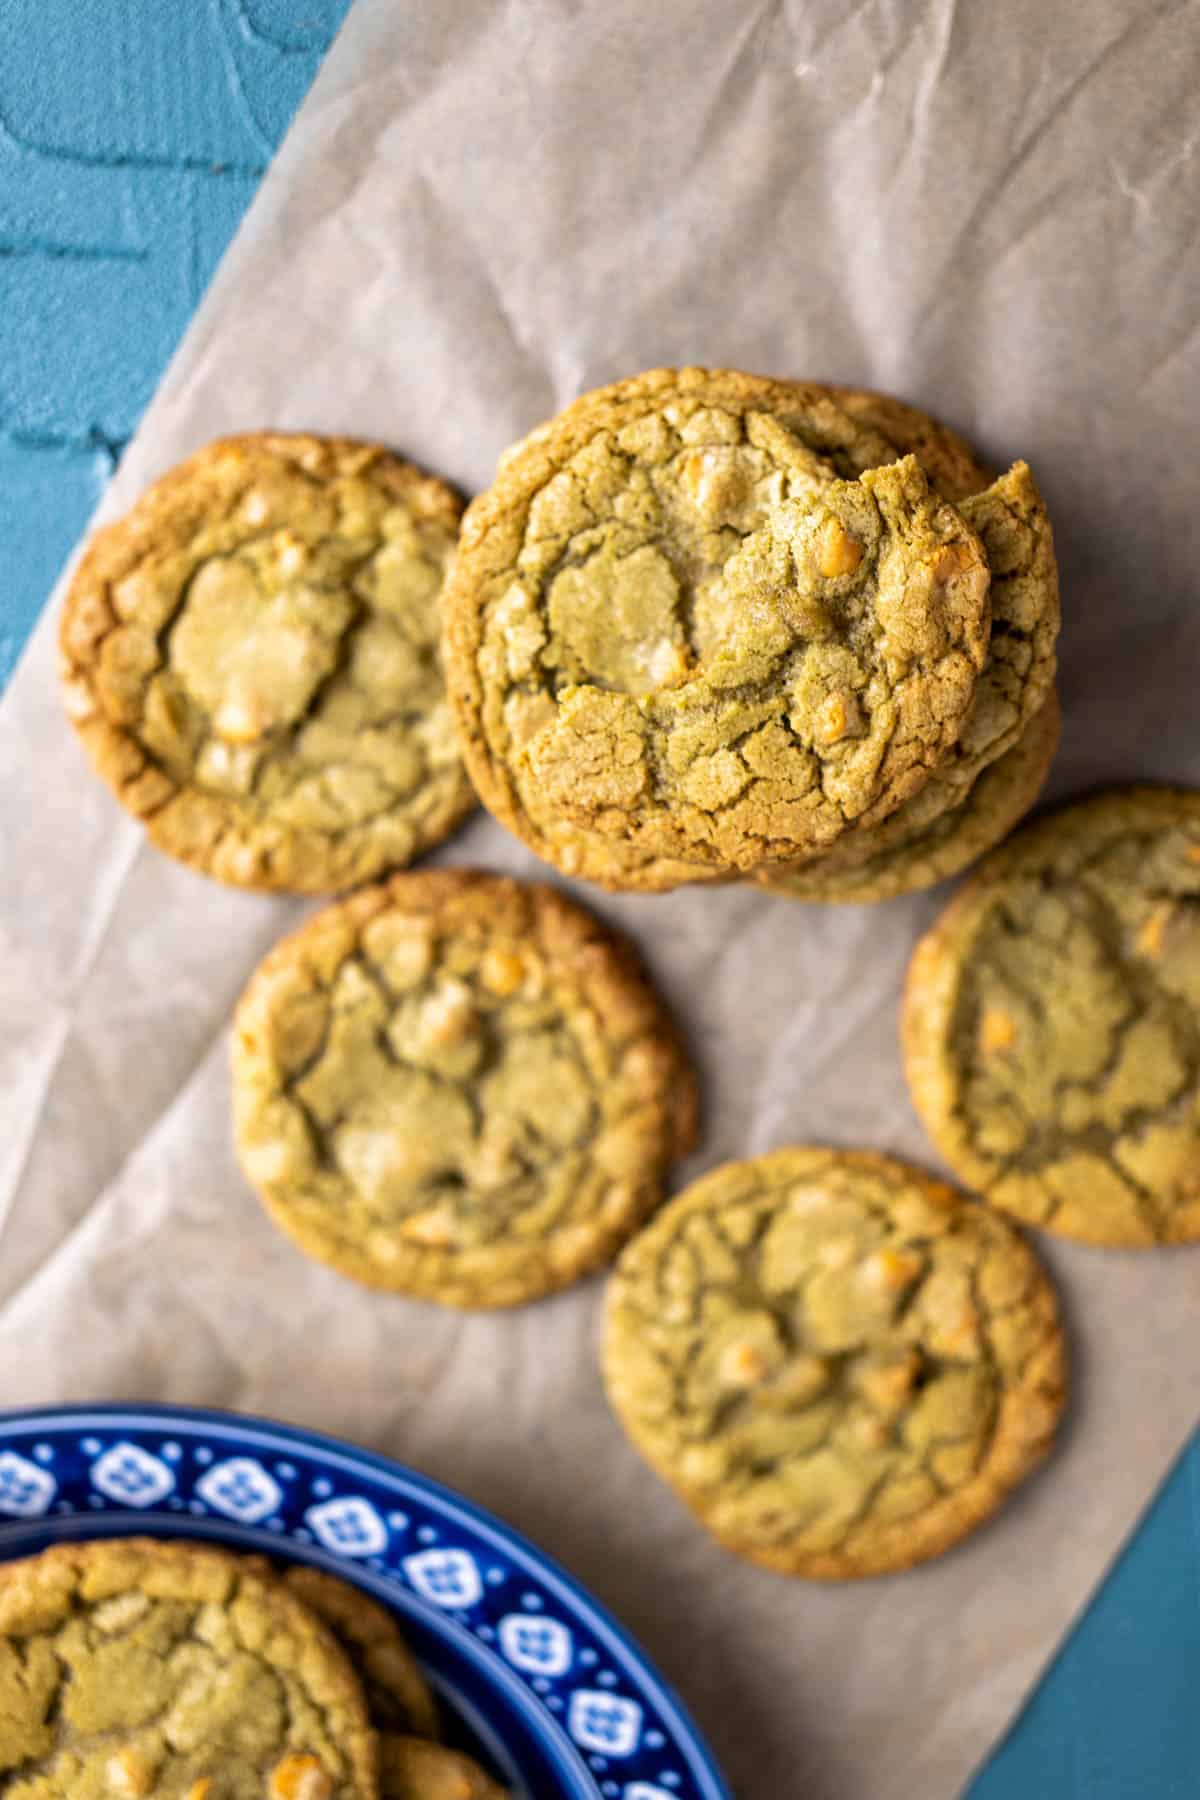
pixel 956 471
pixel 130 1667
pixel 460 1087
pixel 675 635
pixel 398 1696
pixel 840 1364
pixel 998 800
pixel 251 657
pixel 412 1769
pixel 1052 1022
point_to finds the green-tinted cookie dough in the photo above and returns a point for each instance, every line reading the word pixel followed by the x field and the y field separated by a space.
pixel 839 1363
pixel 251 658
pixel 1052 1022
pixel 678 635
pixel 132 1670
pixel 1017 677
pixel 460 1087
pixel 997 801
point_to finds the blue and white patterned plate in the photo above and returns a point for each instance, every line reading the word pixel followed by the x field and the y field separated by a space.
pixel 534 1676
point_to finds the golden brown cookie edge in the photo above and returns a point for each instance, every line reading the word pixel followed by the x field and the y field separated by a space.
pixel 624 975
pixel 54 1575
pixel 363 1625
pixel 405 1764
pixel 114 752
pixel 930 993
pixel 1024 1438
pixel 996 803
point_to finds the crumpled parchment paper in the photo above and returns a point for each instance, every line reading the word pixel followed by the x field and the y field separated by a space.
pixel 482 209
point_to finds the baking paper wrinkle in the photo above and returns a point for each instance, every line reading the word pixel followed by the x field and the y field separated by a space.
pixel 941 52
pixel 479 209
pixel 488 286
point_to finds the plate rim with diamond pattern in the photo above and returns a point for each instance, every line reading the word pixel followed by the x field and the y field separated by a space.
pixel 108 1469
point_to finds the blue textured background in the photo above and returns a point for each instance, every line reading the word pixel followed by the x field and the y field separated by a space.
pixel 132 136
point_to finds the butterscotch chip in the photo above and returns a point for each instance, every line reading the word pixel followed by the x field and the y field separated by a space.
pixel 888 1399
pixel 929 850
pixel 1083 932
pixel 838 550
pixel 251 658
pixel 129 1771
pixel 398 1695
pixel 134 1668
pixel 1151 938
pixel 656 602
pixel 411 1769
pixel 421 1123
pixel 997 1031
pixel 299 1777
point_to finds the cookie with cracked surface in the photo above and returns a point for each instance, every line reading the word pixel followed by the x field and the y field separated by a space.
pixel 1052 1022
pixel 169 1670
pixel 1010 516
pixel 413 1769
pixel 458 1086
pixel 398 1695
pixel 998 800
pixel 842 1365
pixel 704 618
pixel 251 658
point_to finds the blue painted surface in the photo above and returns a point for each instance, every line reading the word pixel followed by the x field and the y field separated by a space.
pixel 132 135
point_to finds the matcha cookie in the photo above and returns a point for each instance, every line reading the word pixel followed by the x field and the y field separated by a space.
pixel 695 622
pixel 398 1696
pixel 840 1364
pixel 998 800
pixel 459 1087
pixel 169 1670
pixel 1052 1022
pixel 412 1769
pixel 251 658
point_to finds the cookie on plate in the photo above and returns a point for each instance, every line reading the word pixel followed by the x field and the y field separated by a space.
pixel 130 1667
pixel 996 802
pixel 1052 1022
pixel 251 658
pixel 841 1365
pixel 460 1087
pixel 414 1769
pixel 705 618
pixel 398 1696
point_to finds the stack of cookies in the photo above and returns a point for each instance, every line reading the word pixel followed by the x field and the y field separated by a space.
pixel 706 625
pixel 703 627
pixel 136 1667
